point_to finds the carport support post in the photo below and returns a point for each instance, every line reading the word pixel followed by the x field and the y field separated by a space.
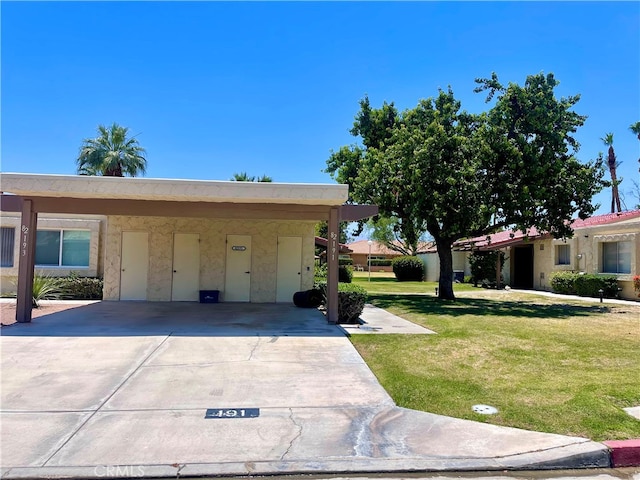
pixel 28 226
pixel 332 262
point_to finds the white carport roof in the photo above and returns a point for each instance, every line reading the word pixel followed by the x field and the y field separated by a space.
pixel 177 190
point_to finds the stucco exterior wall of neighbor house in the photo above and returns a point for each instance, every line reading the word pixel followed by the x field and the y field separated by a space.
pixel 213 235
pixel 93 223
pixel 585 254
pixel 431 263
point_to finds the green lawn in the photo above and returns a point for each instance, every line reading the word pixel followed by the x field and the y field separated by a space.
pixel 387 283
pixel 546 364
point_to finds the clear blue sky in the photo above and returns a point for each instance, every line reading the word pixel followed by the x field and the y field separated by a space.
pixel 214 88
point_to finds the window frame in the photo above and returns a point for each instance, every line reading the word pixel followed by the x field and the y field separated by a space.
pixel 10 246
pixel 61 249
pixel 559 257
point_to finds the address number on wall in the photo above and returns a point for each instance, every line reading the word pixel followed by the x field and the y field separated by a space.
pixel 238 248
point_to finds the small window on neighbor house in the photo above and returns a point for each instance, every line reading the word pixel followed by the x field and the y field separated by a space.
pixel 7 244
pixel 62 248
pixel 616 257
pixel 563 255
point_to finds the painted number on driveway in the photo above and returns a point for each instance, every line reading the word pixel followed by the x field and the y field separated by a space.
pixel 232 413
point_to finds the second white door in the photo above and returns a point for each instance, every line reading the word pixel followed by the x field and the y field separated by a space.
pixel 185 286
pixel 289 268
pixel 237 282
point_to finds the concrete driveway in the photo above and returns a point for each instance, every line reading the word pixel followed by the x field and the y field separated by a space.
pixel 123 389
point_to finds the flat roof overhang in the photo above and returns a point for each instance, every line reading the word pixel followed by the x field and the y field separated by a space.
pixel 169 197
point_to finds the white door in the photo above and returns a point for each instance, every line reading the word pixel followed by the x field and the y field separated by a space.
pixel 134 266
pixel 237 282
pixel 289 268
pixel 185 286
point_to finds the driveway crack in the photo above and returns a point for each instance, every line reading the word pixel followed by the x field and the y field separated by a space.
pixel 296 437
pixel 109 397
pixel 253 350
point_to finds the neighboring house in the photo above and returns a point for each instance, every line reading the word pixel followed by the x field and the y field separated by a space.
pixel 431 261
pixel 603 244
pixel 167 240
pixel 381 255
pixel 64 244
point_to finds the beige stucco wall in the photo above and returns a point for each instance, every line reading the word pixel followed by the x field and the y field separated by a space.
pixel 95 224
pixel 212 234
pixel 586 242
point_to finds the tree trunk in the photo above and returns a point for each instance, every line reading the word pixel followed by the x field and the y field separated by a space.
pixel 445 283
pixel 615 195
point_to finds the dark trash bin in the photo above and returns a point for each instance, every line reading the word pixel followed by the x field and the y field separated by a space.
pixel 458 276
pixel 209 296
pixel 307 299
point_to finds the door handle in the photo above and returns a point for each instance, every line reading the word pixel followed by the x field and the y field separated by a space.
pixel 247 272
pixel 175 271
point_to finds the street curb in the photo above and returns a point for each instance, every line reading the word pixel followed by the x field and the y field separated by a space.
pixel 624 453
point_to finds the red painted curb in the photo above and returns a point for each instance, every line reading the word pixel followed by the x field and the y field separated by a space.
pixel 624 453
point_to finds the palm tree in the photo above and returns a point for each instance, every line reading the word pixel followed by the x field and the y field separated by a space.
pixel 613 164
pixel 111 154
pixel 243 177
pixel 635 128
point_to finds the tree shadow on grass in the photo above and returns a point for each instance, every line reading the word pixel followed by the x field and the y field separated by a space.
pixel 429 305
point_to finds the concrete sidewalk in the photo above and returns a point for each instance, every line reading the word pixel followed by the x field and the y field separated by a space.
pixel 122 389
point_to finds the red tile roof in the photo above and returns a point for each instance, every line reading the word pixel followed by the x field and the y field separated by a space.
pixel 508 237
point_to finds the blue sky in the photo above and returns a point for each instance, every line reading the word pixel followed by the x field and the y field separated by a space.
pixel 213 88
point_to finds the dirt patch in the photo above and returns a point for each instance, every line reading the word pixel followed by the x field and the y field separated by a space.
pixel 8 311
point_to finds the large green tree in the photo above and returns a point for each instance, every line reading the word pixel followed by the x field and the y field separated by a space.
pixel 463 175
pixel 111 154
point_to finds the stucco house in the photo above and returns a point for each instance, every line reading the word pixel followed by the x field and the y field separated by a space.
pixel 381 255
pixel 602 244
pixel 169 239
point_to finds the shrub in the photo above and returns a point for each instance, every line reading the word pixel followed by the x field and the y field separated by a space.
pixel 75 287
pixel 381 263
pixel 589 286
pixel 45 287
pixel 345 274
pixel 483 266
pixel 408 269
pixel 345 261
pixel 351 300
pixel 636 284
pixel 564 282
pixel 467 279
pixel 320 273
pixel 585 285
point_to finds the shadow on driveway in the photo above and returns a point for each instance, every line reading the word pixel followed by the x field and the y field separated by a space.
pixel 118 319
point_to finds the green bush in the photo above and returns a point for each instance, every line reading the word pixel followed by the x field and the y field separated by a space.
pixel 589 286
pixel 345 273
pixel 75 287
pixel 467 279
pixel 585 285
pixel 345 261
pixel 408 269
pixel 564 282
pixel 351 300
pixel 381 263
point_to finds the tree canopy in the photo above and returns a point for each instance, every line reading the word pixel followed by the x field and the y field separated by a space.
pixel 454 174
pixel 112 154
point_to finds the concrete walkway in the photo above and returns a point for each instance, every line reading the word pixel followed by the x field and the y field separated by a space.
pixel 123 389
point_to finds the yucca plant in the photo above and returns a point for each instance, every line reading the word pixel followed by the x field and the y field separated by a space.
pixel 45 287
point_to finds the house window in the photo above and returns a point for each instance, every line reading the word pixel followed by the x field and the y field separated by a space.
pixel 62 248
pixel 616 257
pixel 7 244
pixel 563 255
